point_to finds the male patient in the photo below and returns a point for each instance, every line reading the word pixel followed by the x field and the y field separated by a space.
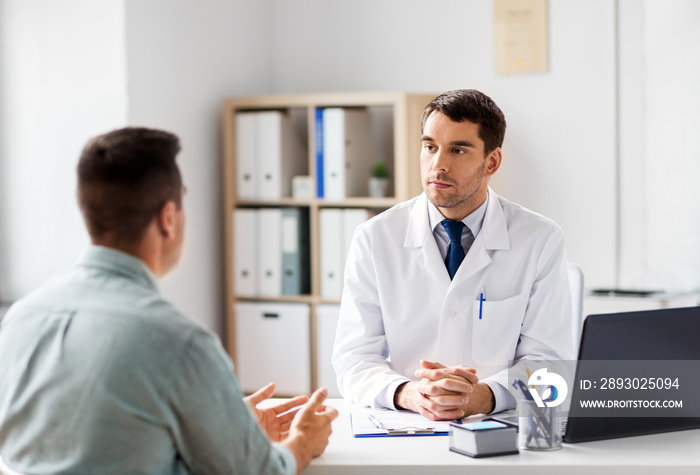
pixel 100 374
pixel 443 292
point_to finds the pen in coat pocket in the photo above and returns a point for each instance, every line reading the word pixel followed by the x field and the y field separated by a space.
pixel 481 303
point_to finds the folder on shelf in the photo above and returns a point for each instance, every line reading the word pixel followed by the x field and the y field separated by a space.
pixel 336 229
pixel 346 152
pixel 246 155
pixel 296 275
pixel 280 155
pixel 269 252
pixel 352 218
pixel 269 153
pixel 326 325
pixel 330 242
pixel 318 136
pixel 244 252
pixel 273 344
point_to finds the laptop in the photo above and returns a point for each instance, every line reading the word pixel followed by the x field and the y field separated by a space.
pixel 653 336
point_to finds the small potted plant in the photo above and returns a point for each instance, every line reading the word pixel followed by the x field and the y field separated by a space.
pixel 379 181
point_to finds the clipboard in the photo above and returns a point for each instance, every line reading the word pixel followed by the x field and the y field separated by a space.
pixel 370 423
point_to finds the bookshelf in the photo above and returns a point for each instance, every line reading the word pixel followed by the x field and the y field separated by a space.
pixel 394 138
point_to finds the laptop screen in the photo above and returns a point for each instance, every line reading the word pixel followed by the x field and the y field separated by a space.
pixel 643 356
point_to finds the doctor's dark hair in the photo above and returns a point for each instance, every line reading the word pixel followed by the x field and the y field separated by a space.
pixel 124 178
pixel 469 104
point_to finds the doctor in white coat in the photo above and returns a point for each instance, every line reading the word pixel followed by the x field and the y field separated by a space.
pixel 410 336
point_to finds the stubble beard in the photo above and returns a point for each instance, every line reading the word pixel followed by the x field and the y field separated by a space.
pixel 457 196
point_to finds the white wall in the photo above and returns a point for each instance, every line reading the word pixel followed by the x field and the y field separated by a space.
pixel 673 142
pixel 632 186
pixel 184 57
pixel 559 155
pixel 63 69
pixel 66 67
pixel 660 144
pixel 627 201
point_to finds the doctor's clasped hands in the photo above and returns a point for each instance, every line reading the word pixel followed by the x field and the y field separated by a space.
pixel 445 392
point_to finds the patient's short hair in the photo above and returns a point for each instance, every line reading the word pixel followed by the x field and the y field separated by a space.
pixel 124 179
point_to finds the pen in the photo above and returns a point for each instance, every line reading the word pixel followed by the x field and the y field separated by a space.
pixel 481 303
pixel 377 422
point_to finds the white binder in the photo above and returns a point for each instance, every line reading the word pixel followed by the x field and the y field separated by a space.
pixel 336 229
pixel 273 345
pixel 280 155
pixel 326 325
pixel 347 151
pixel 269 252
pixel 352 218
pixel 245 263
pixel 246 155
pixel 332 262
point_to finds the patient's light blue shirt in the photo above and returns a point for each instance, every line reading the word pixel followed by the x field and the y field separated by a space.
pixel 99 374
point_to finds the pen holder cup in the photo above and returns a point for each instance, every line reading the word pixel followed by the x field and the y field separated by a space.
pixel 539 428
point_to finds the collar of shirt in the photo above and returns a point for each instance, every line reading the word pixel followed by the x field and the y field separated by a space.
pixel 118 262
pixel 474 221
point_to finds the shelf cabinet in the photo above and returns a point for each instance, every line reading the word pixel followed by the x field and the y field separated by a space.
pixel 327 143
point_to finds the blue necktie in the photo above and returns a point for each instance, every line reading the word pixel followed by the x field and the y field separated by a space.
pixel 455 252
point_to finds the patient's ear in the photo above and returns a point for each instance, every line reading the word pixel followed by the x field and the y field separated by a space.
pixel 167 219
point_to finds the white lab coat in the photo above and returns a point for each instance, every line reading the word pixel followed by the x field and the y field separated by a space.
pixel 399 305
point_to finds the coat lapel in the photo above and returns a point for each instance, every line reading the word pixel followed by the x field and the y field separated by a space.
pixel 419 235
pixel 476 259
pixel 493 236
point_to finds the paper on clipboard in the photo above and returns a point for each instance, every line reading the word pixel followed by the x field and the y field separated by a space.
pixel 395 423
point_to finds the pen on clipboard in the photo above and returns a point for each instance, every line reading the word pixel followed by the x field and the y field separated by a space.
pixel 377 422
pixel 481 303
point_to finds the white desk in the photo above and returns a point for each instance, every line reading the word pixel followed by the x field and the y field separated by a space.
pixel 674 453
